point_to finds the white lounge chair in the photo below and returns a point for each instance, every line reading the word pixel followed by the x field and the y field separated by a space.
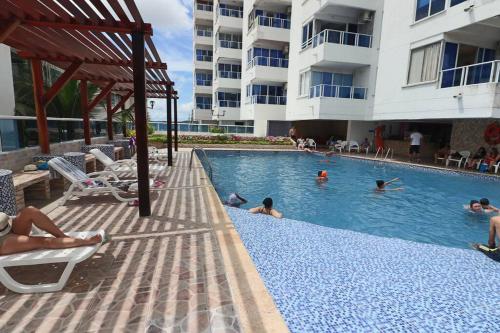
pixel 70 256
pixel 444 159
pixel 464 157
pixel 311 143
pixel 85 184
pixel 340 146
pixel 124 167
pixel 158 155
pixel 353 145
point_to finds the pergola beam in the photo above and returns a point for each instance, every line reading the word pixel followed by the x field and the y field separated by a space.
pixel 61 82
pixel 8 29
pixel 122 102
pixel 104 92
pixel 94 25
pixel 125 63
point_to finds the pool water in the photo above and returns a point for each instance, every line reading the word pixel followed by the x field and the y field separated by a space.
pixel 429 210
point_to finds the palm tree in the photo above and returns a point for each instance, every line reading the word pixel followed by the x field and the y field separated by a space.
pixel 125 117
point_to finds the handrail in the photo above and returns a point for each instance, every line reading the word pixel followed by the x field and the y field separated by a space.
pixel 337 91
pixel 339 37
pixel 378 151
pixel 267 61
pixel 484 72
pixel 210 174
pixel 386 155
pixel 230 44
pixel 266 99
pixel 272 22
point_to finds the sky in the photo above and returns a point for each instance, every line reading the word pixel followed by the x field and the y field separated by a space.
pixel 173 37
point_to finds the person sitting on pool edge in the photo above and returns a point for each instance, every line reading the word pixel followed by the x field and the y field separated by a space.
pixel 266 209
pixel 235 200
pixel 381 185
pixel 322 176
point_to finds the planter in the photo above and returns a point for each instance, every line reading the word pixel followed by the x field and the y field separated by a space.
pixel 7 193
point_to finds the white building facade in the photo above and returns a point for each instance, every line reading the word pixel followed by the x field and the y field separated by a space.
pixel 343 67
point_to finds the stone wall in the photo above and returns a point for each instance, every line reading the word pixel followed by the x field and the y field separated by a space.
pixel 468 134
pixel 16 160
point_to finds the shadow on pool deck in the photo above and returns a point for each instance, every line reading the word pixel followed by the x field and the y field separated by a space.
pixel 183 269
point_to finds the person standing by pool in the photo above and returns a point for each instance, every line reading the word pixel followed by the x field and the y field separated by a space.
pixel 381 185
pixel 266 209
pixel 415 143
pixel 292 133
pixel 235 200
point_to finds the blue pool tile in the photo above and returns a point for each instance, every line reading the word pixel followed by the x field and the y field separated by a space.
pixel 332 280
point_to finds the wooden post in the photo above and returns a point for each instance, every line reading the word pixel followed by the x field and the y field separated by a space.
pixel 109 112
pixel 176 125
pixel 84 99
pixel 169 125
pixel 141 123
pixel 124 125
pixel 41 116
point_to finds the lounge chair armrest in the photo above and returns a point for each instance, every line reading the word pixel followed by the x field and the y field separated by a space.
pixel 102 174
pixel 126 162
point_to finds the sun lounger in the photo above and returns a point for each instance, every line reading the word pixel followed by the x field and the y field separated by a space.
pixel 158 155
pixel 86 184
pixel 124 167
pixel 70 256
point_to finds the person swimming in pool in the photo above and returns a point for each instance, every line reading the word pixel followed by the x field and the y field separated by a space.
pixel 235 200
pixel 487 207
pixel 322 176
pixel 475 206
pixel 266 209
pixel 481 206
pixel 381 185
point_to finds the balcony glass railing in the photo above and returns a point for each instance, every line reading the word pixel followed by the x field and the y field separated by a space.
pixel 204 58
pixel 231 12
pixel 199 128
pixel 204 7
pixel 486 72
pixel 271 22
pixel 203 106
pixel 205 83
pixel 335 91
pixel 229 44
pixel 229 75
pixel 264 99
pixel 229 104
pixel 339 37
pixel 268 61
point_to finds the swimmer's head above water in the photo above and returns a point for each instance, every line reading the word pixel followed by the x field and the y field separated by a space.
pixel 475 206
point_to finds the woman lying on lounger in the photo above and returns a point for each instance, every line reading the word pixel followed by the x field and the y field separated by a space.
pixel 15 233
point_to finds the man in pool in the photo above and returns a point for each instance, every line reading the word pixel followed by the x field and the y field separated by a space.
pixel 381 185
pixel 322 176
pixel 475 206
pixel 235 200
pixel 485 204
pixel 494 231
pixel 266 209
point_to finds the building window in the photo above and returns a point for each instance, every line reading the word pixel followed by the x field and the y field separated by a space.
pixel 307 34
pixel 304 82
pixel 424 63
pixel 456 2
pixel 427 8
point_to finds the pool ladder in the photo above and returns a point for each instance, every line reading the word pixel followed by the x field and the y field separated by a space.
pixel 381 151
pixel 205 157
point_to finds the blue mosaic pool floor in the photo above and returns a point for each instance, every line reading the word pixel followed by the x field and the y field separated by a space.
pixel 331 280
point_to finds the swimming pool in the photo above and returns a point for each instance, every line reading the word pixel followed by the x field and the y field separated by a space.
pixel 429 210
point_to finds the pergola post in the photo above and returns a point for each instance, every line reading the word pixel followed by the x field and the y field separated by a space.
pixel 109 119
pixel 176 125
pixel 141 125
pixel 41 116
pixel 85 111
pixel 169 125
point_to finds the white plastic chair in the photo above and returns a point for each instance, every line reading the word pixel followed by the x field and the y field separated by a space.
pixel 85 184
pixel 124 167
pixel 353 145
pixel 311 143
pixel 496 167
pixel 464 157
pixel 71 256
pixel 444 159
pixel 340 146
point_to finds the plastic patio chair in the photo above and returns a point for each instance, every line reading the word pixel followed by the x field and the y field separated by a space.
pixel 464 157
pixel 340 146
pixel 311 143
pixel 71 256
pixel 85 184
pixel 353 145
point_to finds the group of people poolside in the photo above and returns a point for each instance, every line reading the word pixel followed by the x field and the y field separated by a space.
pixel 485 157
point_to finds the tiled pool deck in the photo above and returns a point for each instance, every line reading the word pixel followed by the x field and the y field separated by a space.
pixel 184 269
pixel 331 280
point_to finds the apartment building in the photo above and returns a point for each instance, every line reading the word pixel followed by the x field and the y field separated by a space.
pixel 344 67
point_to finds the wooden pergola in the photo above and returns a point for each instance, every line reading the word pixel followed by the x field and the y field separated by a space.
pixel 98 41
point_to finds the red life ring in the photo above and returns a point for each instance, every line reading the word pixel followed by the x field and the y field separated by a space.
pixel 492 134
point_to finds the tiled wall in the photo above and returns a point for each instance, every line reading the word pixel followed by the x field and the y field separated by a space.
pixel 17 159
pixel 468 134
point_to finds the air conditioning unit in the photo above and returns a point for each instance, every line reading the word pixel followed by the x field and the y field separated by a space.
pixel 366 17
pixel 286 49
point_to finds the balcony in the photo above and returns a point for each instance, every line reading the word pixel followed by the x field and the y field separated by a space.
pixel 226 110
pixel 265 99
pixel 268 69
pixel 203 87
pixel 203 37
pixel 269 28
pixel 204 11
pixel 227 80
pixel 335 91
pixel 202 114
pixel 231 19
pixel 332 47
pixel 228 50
pixel 482 73
pixel 203 62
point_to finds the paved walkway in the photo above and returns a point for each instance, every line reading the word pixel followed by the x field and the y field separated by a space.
pixel 183 269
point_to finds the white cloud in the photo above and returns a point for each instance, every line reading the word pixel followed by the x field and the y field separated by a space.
pixel 166 16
